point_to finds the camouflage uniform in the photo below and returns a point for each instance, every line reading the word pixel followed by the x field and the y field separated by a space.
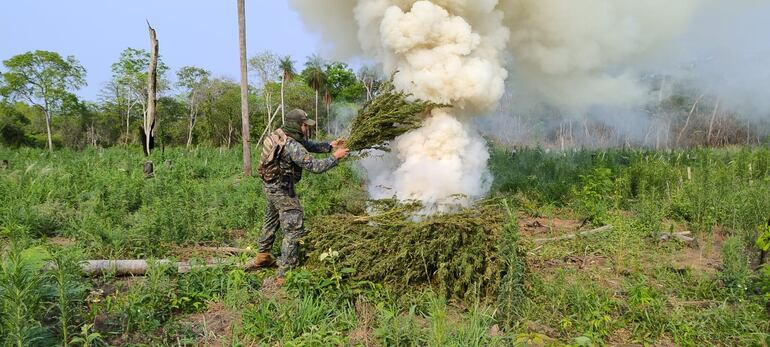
pixel 283 207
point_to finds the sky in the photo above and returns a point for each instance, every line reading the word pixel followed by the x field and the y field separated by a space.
pixel 202 33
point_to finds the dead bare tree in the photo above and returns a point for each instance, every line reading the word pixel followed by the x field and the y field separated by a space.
pixel 152 79
pixel 687 122
pixel 711 123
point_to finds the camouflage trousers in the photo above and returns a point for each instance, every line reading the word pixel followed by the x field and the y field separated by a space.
pixel 284 211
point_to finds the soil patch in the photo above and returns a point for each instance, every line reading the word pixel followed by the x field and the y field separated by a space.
pixel 542 226
pixel 363 333
pixel 213 325
pixel 706 257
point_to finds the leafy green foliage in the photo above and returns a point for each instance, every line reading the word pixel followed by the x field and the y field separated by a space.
pixel 45 80
pixel 69 289
pixel 735 267
pixel 647 308
pixel 456 253
pixel 763 240
pixel 130 72
pixel 593 198
pixel 616 287
pixel 21 299
pixel 12 126
pixel 389 114
pixel 512 289
pixel 342 83
pixel 42 78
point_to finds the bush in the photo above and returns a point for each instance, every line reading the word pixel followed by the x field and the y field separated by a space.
pixel 735 267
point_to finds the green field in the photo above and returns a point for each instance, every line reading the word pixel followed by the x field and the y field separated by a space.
pixel 624 285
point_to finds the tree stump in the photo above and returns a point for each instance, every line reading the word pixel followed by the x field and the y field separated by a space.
pixel 4 165
pixel 148 169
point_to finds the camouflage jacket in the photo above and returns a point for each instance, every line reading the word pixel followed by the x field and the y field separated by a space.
pixel 295 157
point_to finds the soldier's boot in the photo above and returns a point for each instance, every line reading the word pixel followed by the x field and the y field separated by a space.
pixel 264 260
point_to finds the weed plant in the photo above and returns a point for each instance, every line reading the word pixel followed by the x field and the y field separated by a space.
pixel 447 280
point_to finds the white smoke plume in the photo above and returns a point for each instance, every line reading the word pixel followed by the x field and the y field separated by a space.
pixel 569 54
pixel 576 54
pixel 442 164
pixel 444 51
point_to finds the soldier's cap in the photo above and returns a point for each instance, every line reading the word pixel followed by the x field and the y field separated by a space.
pixel 299 116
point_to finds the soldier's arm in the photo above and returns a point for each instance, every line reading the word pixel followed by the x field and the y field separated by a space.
pixel 300 156
pixel 317 147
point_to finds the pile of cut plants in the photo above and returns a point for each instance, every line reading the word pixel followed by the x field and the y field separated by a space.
pixel 468 255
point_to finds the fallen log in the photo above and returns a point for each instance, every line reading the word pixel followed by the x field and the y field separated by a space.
pixel 575 235
pixel 139 267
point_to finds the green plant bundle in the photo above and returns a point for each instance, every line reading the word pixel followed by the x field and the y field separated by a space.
pixel 457 254
pixel 389 114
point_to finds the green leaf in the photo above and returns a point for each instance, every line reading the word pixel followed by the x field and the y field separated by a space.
pixel 35 257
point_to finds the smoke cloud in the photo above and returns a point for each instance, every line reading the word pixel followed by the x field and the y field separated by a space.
pixel 567 57
pixel 443 51
pixel 576 54
pixel 442 164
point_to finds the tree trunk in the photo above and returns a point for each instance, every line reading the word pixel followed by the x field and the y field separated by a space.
pixel 128 123
pixel 687 122
pixel 139 267
pixel 267 104
pixel 748 131
pixel 229 133
pixel 193 111
pixel 152 77
pixel 316 112
pixel 149 169
pixel 244 90
pixel 368 86
pixel 189 133
pixel 268 126
pixel 48 129
pixel 711 123
pixel 283 114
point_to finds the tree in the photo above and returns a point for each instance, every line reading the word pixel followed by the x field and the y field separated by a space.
pixel 152 90
pixel 265 64
pixel 369 79
pixel 245 134
pixel 173 112
pixel 192 80
pixel 73 122
pixel 328 102
pixel 342 83
pixel 43 79
pixel 129 81
pixel 12 124
pixel 315 78
pixel 221 106
pixel 287 74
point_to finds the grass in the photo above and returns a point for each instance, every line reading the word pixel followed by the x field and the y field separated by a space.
pixel 622 286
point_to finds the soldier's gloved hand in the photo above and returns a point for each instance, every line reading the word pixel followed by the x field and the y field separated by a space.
pixel 341 153
pixel 338 143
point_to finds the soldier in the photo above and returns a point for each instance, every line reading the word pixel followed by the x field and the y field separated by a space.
pixel 284 156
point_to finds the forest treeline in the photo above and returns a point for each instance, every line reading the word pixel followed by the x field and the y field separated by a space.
pixel 38 92
pixel 39 107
